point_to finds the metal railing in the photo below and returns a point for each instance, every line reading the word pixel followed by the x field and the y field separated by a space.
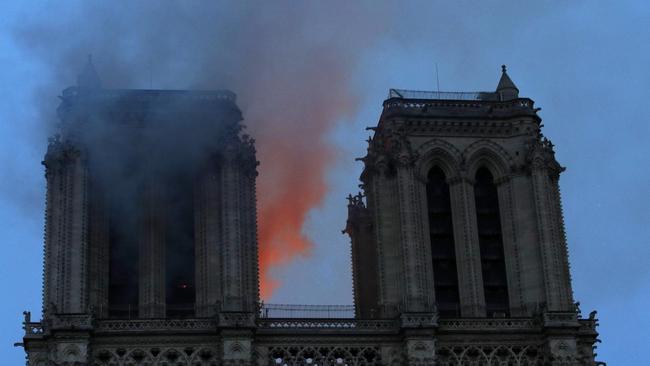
pixel 287 311
pixel 421 94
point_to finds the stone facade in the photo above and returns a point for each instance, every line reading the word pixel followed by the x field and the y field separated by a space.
pixel 92 316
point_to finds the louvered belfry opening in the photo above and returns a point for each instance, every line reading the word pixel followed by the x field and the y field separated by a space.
pixel 495 283
pixel 443 251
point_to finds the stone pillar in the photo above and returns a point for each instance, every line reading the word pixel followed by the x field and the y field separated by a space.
pixel 524 227
pixel 70 342
pixel 208 242
pixel 381 185
pixel 226 231
pixel 231 206
pixel 418 285
pixel 98 250
pixel 364 258
pixel 66 240
pixel 419 338
pixel 561 250
pixel 468 253
pixel 152 253
pixel 248 212
pixel 236 330
pixel 551 239
pixel 511 246
pixel 560 329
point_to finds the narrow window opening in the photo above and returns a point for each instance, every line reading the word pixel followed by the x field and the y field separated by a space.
pixel 123 251
pixel 443 251
pixel 495 283
pixel 180 289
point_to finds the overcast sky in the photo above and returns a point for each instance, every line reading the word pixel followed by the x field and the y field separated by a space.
pixel 330 65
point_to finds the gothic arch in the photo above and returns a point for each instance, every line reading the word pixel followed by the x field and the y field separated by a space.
pixel 438 153
pixel 490 155
pixel 473 355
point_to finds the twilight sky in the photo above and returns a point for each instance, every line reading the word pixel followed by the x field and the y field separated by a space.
pixel 310 77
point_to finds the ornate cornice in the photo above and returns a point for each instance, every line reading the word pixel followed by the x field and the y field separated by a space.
pixel 442 127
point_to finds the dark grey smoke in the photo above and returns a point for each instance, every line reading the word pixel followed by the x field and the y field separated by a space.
pixel 289 62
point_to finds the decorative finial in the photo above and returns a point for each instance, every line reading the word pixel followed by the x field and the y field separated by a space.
pixel 503 68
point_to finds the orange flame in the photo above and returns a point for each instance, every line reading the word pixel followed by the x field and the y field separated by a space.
pixel 294 159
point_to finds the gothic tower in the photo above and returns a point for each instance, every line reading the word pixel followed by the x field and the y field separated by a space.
pixel 150 214
pixel 462 220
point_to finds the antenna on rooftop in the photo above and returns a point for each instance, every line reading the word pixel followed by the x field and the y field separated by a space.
pixel 437 80
pixel 150 73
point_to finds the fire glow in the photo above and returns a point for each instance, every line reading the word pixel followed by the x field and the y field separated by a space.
pixel 294 155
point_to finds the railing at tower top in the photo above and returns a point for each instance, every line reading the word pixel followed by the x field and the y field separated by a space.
pixel 306 311
pixel 421 94
pixel 286 311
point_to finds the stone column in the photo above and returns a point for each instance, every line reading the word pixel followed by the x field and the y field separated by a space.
pixel 364 258
pixel 419 332
pixel 510 245
pixel 208 242
pixel 152 253
pixel 98 250
pixel 415 256
pixel 381 185
pixel 551 240
pixel 248 219
pixel 468 253
pixel 524 231
pixel 561 250
pixel 560 329
pixel 233 255
pixel 237 338
pixel 66 240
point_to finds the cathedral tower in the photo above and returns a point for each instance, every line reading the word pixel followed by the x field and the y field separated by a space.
pixel 150 214
pixel 462 218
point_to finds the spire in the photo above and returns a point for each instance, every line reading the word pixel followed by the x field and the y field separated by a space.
pixel 89 79
pixel 506 89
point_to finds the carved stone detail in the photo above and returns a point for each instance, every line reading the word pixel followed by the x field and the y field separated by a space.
pixel 482 354
pixel 420 352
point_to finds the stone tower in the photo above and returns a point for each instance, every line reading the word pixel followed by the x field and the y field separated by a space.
pixel 150 214
pixel 458 248
pixel 462 220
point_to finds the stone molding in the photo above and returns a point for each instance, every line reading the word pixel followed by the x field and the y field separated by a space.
pixel 419 320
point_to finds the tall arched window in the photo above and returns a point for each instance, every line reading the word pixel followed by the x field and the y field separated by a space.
pixel 179 274
pixel 443 253
pixel 495 283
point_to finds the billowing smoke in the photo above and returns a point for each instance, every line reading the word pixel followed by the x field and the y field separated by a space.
pixel 289 63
